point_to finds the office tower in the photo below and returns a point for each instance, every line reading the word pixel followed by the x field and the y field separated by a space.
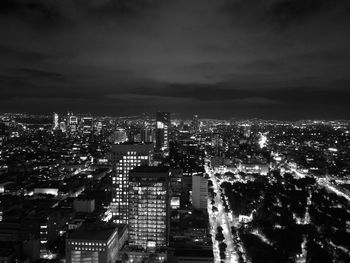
pixel 162 131
pixel 195 123
pixel 87 124
pixel 55 121
pixel 217 143
pixel 99 127
pixel 124 158
pixel 147 134
pixel 148 207
pixel 199 192
pixel 72 122
pixel 93 243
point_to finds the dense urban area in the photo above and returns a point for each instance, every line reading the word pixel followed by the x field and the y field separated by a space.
pixel 156 188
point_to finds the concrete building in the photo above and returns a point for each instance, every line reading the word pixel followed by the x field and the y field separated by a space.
pixel 93 243
pixel 84 205
pixel 199 192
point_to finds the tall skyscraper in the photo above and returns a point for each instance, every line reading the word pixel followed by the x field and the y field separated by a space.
pixel 162 131
pixel 195 123
pixel 88 123
pixel 124 158
pixel 55 121
pixel 72 122
pixel 148 208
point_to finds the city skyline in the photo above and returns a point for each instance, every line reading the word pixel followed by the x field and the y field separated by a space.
pixel 98 189
pixel 276 59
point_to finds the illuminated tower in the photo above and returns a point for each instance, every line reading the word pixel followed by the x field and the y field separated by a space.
pixel 148 207
pixel 55 121
pixel 124 158
pixel 162 131
pixel 73 122
pixel 87 124
pixel 195 123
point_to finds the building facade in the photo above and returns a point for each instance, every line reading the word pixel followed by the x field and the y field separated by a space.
pixel 162 131
pixel 199 192
pixel 93 243
pixel 149 208
pixel 124 158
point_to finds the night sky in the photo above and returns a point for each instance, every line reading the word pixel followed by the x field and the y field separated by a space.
pixel 281 59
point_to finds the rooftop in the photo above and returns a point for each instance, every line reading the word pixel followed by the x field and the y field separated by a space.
pixel 94 231
pixel 150 169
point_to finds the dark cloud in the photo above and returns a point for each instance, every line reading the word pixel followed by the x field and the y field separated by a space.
pixel 242 58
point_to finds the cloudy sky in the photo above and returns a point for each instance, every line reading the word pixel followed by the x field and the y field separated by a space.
pixel 283 59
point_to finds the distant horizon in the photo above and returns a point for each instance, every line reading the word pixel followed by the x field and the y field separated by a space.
pixel 152 116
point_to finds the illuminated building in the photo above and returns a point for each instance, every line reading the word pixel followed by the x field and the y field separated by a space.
pixel 87 124
pixel 147 134
pixel 124 158
pixel 99 127
pixel 72 122
pixel 199 192
pixel 148 208
pixel 217 143
pixel 55 121
pixel 195 123
pixel 254 166
pixel 93 243
pixel 162 131
pixel 44 225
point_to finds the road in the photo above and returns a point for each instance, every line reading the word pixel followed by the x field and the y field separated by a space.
pixel 221 218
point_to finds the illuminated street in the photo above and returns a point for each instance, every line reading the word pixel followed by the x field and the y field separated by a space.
pixel 222 219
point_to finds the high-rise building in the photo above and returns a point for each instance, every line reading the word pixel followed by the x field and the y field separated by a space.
pixel 217 143
pixel 162 131
pixel 93 243
pixel 199 192
pixel 98 127
pixel 55 121
pixel 72 122
pixel 87 124
pixel 147 134
pixel 124 158
pixel 149 208
pixel 195 123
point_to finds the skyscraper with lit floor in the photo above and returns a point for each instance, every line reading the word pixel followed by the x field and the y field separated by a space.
pixel 125 157
pixel 162 131
pixel 55 121
pixel 149 208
